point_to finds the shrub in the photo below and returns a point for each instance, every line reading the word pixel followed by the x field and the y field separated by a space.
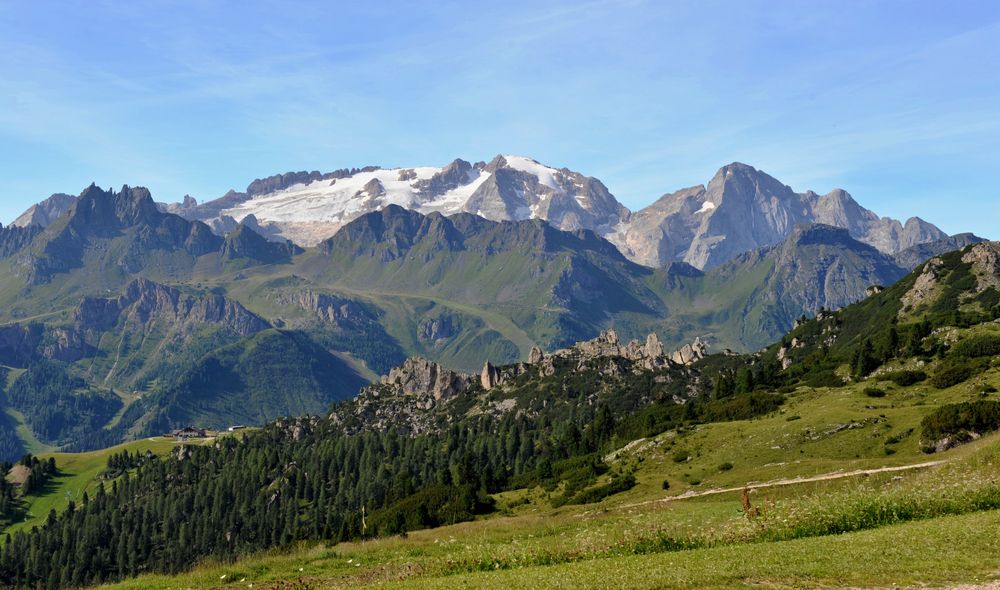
pixel 681 455
pixel 957 420
pixel 725 466
pixel 874 392
pixel 666 485
pixel 978 346
pixel 951 374
pixel 619 483
pixel 741 407
pixel 824 378
pixel 905 378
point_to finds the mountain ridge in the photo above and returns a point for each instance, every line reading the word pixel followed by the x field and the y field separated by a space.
pixel 702 225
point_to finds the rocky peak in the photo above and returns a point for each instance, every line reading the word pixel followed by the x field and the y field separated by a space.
pixel 495 164
pixel 489 377
pixel 245 243
pixel 452 176
pixel 373 188
pixel 914 256
pixel 420 377
pixel 108 209
pixel 45 212
pixel 839 208
pixel 13 239
pixel 690 353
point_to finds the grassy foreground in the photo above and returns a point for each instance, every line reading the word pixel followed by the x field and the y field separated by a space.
pixel 933 525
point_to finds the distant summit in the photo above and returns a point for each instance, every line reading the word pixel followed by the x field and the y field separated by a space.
pixel 743 209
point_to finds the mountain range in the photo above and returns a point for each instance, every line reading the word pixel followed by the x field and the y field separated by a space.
pixel 120 317
pixel 741 209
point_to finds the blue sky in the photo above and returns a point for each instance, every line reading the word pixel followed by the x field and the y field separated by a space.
pixel 897 102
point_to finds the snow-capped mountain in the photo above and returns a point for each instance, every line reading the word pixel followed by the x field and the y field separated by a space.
pixel 741 209
pixel 310 209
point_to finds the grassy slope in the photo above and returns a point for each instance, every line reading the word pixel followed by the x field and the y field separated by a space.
pixel 586 546
pixel 31 443
pixel 580 548
pixel 79 473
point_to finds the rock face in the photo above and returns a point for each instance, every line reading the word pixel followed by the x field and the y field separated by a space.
pixel 422 378
pixel 985 261
pixel 144 301
pixel 914 256
pixel 13 239
pixel 690 353
pixel 490 376
pixel 536 355
pixel 245 243
pixel 438 329
pixel 144 307
pixel 341 313
pixel 45 212
pixel 924 286
pixel 743 209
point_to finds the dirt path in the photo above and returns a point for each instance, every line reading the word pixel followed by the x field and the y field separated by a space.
pixel 789 482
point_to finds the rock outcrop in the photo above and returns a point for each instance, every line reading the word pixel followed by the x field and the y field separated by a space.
pixel 13 239
pixel 923 287
pixel 144 301
pixel 690 353
pixel 420 377
pixel 648 355
pixel 339 312
pixel 985 261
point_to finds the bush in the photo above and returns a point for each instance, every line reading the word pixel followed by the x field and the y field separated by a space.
pixel 430 507
pixel 725 466
pixel 619 483
pixel 978 346
pixel 681 456
pixel 960 419
pixel 951 374
pixel 905 378
pixel 666 485
pixel 874 392
pixel 741 407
